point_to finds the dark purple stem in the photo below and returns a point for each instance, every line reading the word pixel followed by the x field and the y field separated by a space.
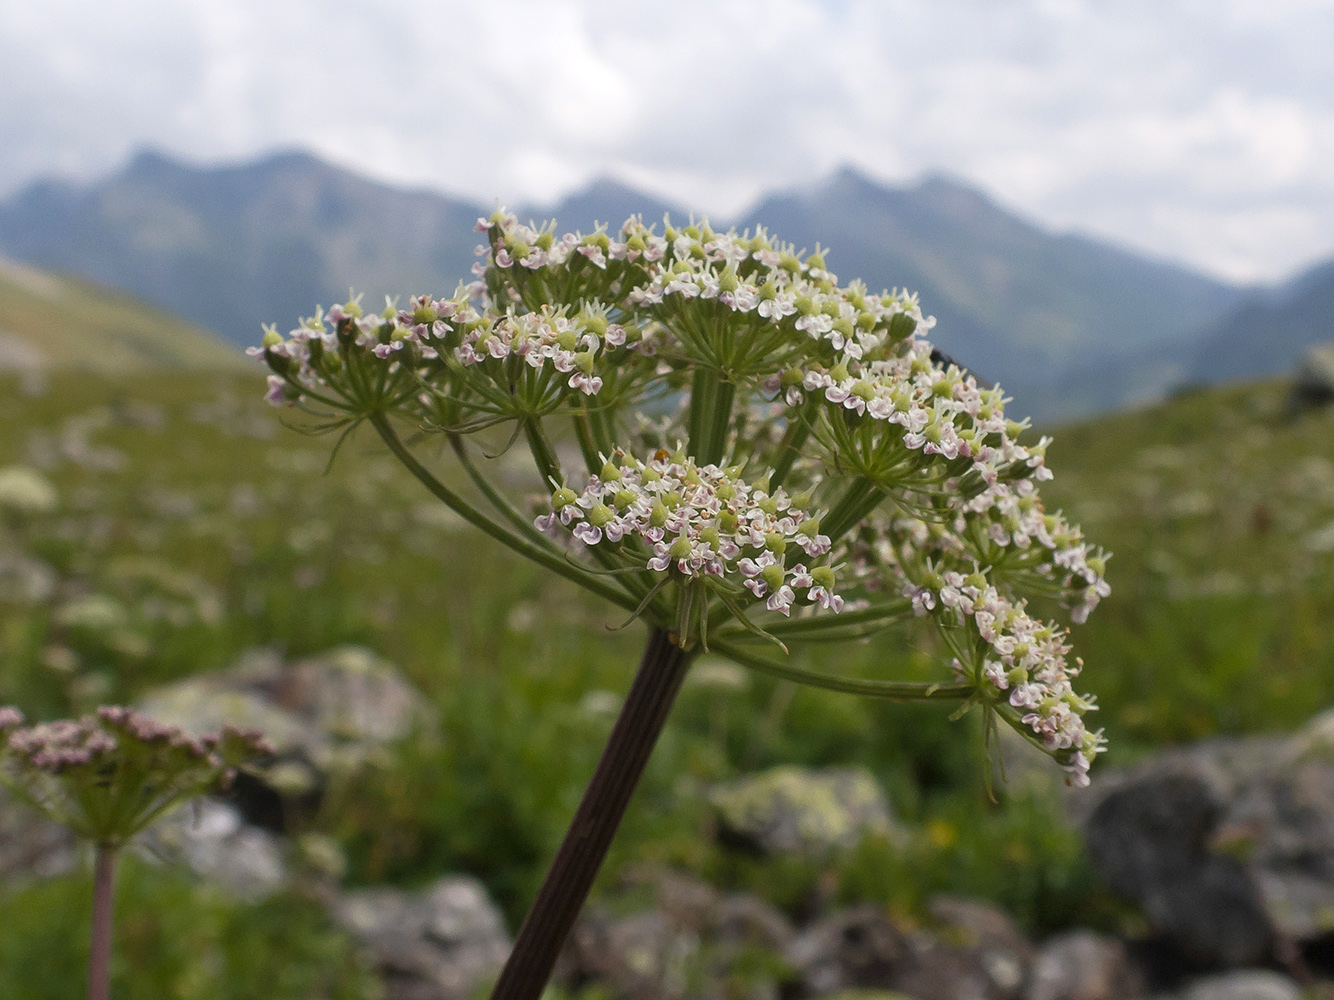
pixel 599 814
pixel 99 951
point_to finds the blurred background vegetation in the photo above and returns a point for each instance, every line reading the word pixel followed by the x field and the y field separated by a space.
pixel 159 524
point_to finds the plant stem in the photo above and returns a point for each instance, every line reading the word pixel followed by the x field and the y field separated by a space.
pixel 99 951
pixel 584 848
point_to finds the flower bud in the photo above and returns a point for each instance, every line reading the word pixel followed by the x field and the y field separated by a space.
pixel 901 326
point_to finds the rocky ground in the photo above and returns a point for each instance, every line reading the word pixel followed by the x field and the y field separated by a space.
pixel 1225 847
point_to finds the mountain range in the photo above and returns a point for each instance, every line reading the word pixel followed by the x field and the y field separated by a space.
pixel 1068 324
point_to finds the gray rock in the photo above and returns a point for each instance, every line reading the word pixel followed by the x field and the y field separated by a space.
pixel 1082 965
pixel 693 941
pixel 1152 841
pixel 440 944
pixel 1227 846
pixel 1244 984
pixel 213 840
pixel 862 949
pixel 988 932
pixel 850 949
pixel 799 810
pixel 1314 384
pixel 325 715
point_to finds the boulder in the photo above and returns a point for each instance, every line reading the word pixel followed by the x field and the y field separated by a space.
pixel 798 810
pixel 861 948
pixel 1227 846
pixel 1314 383
pixel 1083 965
pixel 1244 984
pixel 691 941
pixel 1003 953
pixel 325 715
pixel 212 839
pixel 444 943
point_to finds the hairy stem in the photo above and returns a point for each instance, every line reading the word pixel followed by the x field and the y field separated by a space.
pixel 99 950
pixel 581 854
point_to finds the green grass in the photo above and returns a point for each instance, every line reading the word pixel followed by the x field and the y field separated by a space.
pixel 1219 505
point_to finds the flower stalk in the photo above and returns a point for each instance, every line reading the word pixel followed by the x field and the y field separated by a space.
pixel 99 949
pixel 585 846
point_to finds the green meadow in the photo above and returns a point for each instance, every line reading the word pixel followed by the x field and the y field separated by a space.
pixel 191 523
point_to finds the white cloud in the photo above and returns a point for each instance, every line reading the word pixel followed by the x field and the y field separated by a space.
pixel 1191 128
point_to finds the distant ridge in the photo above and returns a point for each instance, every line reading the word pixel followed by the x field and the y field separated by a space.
pixel 231 247
pixel 1268 331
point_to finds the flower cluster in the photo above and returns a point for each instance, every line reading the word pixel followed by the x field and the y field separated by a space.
pixel 829 392
pixel 106 776
pixel 1028 659
pixel 702 522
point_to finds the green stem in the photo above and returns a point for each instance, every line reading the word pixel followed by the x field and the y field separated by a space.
pixel 797 433
pixel 892 690
pixel 711 398
pixel 800 628
pixel 551 559
pixel 862 497
pixel 544 455
pixel 497 500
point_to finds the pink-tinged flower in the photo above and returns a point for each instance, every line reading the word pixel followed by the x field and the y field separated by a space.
pixel 277 394
pixel 781 600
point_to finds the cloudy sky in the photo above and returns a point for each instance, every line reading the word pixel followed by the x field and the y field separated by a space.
pixel 1201 130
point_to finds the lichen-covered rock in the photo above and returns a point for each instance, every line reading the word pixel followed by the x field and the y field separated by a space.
pixel 1083 965
pixel 440 944
pixel 799 810
pixel 327 714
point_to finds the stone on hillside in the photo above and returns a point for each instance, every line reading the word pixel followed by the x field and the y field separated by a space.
pixel 1314 384
pixel 332 713
pixel 691 941
pixel 989 932
pixel 861 948
pixel 797 810
pixel 213 840
pixel 1083 965
pixel 1244 984
pixel 440 944
pixel 1227 846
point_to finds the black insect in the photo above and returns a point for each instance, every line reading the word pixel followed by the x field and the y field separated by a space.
pixel 939 357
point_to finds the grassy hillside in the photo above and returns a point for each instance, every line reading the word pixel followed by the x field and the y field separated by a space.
pixel 1219 505
pixel 52 321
